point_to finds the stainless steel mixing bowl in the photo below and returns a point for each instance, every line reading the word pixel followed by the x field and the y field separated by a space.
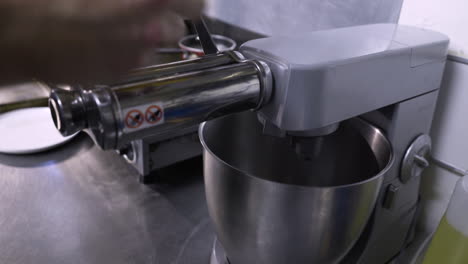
pixel 270 206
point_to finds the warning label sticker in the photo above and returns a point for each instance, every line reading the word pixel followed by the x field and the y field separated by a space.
pixel 153 114
pixel 143 116
pixel 134 119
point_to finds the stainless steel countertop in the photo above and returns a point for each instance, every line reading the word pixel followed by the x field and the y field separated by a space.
pixel 78 204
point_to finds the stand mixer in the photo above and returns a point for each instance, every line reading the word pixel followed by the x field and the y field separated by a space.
pixel 341 116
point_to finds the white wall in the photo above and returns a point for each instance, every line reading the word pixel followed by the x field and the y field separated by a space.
pixel 447 16
pixel 450 127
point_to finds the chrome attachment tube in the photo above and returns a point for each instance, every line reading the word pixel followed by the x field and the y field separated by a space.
pixel 159 106
pixel 168 69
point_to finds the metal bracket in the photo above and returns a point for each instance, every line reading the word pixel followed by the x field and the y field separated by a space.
pixel 450 167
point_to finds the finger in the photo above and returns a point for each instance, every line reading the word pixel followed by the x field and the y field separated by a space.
pixel 190 9
pixel 168 27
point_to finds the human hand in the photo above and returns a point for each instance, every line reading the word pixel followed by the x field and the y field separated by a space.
pixel 85 40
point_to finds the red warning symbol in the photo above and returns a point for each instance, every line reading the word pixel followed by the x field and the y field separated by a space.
pixel 154 114
pixel 134 119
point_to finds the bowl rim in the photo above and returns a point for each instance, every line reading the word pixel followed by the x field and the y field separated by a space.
pixel 215 37
pixel 378 176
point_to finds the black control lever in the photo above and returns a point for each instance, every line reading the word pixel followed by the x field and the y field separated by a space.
pixel 207 43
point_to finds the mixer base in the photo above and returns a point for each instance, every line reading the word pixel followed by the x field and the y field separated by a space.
pixel 218 256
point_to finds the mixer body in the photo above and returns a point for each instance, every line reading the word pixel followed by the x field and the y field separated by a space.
pixel 305 91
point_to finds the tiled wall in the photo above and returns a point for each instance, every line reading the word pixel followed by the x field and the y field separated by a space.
pixel 273 17
pixel 450 143
pixel 450 127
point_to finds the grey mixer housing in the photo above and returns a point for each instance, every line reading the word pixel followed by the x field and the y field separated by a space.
pixel 301 86
pixel 326 77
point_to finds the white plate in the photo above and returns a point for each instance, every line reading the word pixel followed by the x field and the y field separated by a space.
pixel 29 130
